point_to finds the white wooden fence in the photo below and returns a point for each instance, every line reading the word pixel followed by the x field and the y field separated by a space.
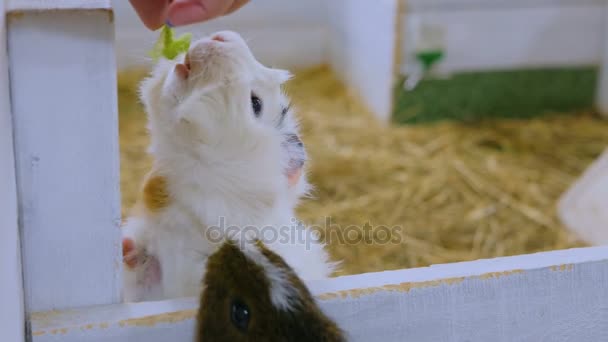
pixel 61 183
pixel 557 297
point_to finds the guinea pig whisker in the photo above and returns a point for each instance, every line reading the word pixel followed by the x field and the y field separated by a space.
pixel 197 59
pixel 196 76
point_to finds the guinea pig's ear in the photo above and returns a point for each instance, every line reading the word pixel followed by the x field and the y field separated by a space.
pixel 282 76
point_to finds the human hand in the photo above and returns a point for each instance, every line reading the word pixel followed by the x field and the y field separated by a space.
pixel 155 13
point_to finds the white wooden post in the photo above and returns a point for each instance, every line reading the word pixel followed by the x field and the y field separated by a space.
pixel 12 324
pixel 63 89
pixel 363 50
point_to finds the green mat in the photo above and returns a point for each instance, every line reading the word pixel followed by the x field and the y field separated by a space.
pixel 506 94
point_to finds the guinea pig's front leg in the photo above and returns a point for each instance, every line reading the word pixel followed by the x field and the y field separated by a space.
pixel 141 270
pixel 142 276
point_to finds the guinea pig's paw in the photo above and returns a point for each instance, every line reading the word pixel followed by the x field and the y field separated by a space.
pixel 130 255
pixel 138 259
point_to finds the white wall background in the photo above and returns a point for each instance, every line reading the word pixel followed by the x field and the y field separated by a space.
pixel 507 34
pixel 281 33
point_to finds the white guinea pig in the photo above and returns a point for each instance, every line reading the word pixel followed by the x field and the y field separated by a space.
pixel 227 162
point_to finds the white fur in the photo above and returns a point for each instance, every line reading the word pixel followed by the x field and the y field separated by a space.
pixel 220 161
pixel 282 293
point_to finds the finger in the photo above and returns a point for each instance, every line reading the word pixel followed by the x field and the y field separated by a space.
pixel 184 12
pixel 151 12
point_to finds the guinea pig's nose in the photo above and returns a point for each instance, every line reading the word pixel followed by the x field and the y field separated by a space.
pixel 218 38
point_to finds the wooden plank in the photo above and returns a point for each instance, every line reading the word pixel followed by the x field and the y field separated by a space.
pixel 29 5
pixel 12 319
pixel 551 296
pixel 583 207
pixel 362 50
pixel 63 86
pixel 487 39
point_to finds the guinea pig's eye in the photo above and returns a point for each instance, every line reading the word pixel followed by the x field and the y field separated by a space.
pixel 256 104
pixel 240 315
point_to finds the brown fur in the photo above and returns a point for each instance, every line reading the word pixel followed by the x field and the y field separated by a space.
pixel 155 193
pixel 231 275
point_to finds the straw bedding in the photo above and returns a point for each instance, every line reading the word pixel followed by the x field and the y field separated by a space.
pixel 447 191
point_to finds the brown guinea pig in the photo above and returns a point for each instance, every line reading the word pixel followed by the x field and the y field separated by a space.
pixel 251 294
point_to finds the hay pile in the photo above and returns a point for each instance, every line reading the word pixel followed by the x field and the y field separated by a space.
pixel 457 192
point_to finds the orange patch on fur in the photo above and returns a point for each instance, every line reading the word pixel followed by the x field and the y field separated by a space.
pixel 155 193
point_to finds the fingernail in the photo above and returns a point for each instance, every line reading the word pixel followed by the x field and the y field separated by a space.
pixel 184 15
